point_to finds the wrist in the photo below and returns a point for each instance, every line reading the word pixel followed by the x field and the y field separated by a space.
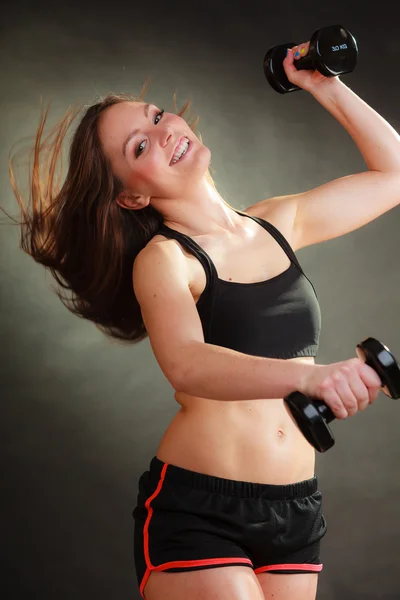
pixel 330 89
pixel 310 370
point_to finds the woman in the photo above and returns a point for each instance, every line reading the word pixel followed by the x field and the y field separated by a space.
pixel 234 324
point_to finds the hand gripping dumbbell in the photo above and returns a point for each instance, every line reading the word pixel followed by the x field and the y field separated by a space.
pixel 333 51
pixel 312 416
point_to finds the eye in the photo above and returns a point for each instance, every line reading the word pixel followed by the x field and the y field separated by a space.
pixel 139 148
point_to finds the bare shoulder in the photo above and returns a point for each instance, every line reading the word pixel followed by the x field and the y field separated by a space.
pixel 280 211
pixel 160 251
pixel 161 265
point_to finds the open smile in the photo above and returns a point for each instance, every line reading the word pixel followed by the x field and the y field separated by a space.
pixel 184 145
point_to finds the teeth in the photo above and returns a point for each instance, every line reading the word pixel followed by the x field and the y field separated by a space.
pixel 181 150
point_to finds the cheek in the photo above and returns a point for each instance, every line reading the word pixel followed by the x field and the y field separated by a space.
pixel 143 174
pixel 149 171
pixel 154 165
pixel 151 174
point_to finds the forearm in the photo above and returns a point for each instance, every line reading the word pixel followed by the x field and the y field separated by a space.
pixel 218 373
pixel 377 141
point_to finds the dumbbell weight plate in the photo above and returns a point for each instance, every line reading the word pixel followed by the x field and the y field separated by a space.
pixel 274 71
pixel 335 50
pixel 311 421
pixel 377 356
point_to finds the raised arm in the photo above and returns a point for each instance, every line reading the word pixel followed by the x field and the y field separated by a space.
pixel 348 203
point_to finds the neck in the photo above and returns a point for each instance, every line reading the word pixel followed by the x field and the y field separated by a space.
pixel 201 212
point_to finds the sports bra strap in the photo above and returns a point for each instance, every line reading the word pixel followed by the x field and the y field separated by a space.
pixel 278 236
pixel 189 244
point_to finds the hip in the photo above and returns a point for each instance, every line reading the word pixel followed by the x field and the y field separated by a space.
pixel 185 520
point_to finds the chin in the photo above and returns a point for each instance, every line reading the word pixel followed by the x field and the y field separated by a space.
pixel 207 152
pixel 203 158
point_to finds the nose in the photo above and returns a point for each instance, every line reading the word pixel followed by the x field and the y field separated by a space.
pixel 166 136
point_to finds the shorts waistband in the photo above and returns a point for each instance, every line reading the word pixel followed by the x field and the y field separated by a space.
pixel 229 487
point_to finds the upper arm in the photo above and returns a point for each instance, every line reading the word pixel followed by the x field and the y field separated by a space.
pixel 344 205
pixel 335 208
pixel 161 284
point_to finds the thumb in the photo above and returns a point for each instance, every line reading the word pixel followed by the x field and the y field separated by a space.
pixel 289 58
pixel 288 63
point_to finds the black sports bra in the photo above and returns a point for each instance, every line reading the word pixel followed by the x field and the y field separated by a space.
pixel 276 318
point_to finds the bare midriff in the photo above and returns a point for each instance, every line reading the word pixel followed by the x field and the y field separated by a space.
pixel 248 440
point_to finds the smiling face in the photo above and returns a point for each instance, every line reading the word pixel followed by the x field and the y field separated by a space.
pixel 141 141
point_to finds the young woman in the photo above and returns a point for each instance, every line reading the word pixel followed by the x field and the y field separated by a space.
pixel 230 507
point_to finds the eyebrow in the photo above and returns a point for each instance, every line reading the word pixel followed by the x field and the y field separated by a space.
pixel 135 131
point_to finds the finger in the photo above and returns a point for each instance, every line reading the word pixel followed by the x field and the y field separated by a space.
pixel 373 394
pixel 345 393
pixel 288 63
pixel 301 50
pixel 332 399
pixel 289 59
pixel 371 380
pixel 359 389
pixel 370 377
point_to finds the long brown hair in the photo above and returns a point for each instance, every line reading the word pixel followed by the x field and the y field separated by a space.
pixel 77 230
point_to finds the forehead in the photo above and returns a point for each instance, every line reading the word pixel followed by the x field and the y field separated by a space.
pixel 118 120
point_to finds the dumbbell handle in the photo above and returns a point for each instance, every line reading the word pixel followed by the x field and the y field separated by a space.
pixel 306 62
pixel 324 410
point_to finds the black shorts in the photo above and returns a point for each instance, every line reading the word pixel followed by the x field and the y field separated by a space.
pixel 186 521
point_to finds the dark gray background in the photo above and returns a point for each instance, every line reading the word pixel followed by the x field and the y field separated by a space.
pixel 81 416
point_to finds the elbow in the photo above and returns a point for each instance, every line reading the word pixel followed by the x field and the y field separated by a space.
pixel 179 380
pixel 180 377
pixel 184 369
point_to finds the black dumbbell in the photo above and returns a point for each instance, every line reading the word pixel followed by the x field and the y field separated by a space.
pixel 312 416
pixel 333 51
